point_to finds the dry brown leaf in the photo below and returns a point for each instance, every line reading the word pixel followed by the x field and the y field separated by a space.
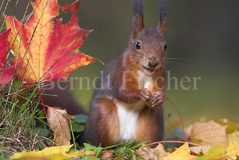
pixel 145 153
pixel 159 151
pixel 209 134
pixel 199 150
pixel 58 120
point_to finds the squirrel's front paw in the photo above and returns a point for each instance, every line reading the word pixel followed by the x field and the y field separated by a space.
pixel 146 95
pixel 159 98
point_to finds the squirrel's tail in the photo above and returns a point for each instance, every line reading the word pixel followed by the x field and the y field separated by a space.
pixel 61 98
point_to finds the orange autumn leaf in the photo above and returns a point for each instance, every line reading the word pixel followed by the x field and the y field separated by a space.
pixel 44 46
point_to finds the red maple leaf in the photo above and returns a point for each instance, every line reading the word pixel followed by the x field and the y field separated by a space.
pixel 6 72
pixel 47 48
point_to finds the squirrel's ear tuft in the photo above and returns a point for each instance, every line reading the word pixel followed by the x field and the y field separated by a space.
pixel 163 6
pixel 137 23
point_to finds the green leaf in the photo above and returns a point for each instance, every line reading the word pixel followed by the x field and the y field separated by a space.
pixel 81 118
pixel 88 146
pixel 214 153
pixel 97 149
pixel 78 123
pixel 78 127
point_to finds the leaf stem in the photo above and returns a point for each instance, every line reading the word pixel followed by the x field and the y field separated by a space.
pixel 152 143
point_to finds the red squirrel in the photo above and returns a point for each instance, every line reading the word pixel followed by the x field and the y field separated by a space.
pixel 129 104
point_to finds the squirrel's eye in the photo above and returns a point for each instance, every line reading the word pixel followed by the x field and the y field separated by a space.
pixel 138 45
pixel 165 47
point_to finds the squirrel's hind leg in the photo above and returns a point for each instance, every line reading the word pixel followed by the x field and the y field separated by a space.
pixel 150 126
pixel 102 127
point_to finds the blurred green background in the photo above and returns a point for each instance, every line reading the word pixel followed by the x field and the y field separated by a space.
pixel 202 38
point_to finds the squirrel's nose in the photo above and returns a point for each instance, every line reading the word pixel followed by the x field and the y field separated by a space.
pixel 152 63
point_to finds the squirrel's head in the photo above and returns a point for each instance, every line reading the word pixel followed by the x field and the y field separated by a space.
pixel 147 47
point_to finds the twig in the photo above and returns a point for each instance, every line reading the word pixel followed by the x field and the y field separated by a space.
pixel 174 133
pixel 178 115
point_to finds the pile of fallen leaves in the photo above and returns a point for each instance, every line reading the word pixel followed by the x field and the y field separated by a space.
pixel 213 140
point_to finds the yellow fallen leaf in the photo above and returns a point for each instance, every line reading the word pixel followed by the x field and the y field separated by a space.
pixel 46 154
pixel 182 153
pixel 233 146
pixel 231 125
pixel 215 153
pixel 209 134
pixel 50 153
pixel 59 121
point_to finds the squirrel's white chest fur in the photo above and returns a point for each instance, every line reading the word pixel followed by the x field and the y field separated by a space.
pixel 128 114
